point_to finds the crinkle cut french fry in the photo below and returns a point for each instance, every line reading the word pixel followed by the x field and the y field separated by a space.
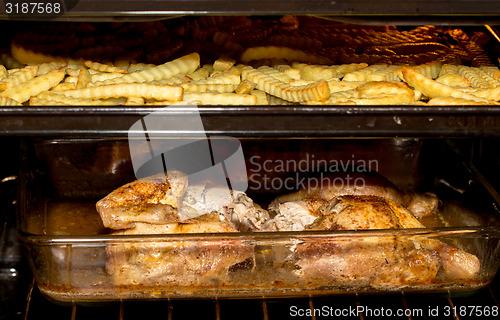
pixel 223 64
pixel 99 77
pixel 83 78
pixel 34 86
pixel 489 94
pixel 64 86
pixel 375 89
pixel 474 77
pixel 8 102
pixel 134 67
pixel 245 87
pixel 21 76
pixel 199 74
pixel 449 101
pixel 103 67
pixel 289 71
pixel 432 88
pixel 127 90
pixel 221 98
pixel 261 97
pixel 289 54
pixel 49 66
pixel 275 74
pixel 362 74
pixel 57 97
pixel 186 64
pixel 454 80
pixel 215 88
pixel 26 56
pixel 36 101
pixel 316 91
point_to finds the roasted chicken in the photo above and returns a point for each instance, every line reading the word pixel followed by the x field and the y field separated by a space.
pixel 154 199
pixel 378 260
pixel 358 184
pixel 172 261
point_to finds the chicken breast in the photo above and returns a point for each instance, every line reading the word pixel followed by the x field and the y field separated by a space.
pixel 154 200
pixel 359 184
pixel 171 262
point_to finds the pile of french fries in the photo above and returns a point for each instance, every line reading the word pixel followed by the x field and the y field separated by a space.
pixel 267 75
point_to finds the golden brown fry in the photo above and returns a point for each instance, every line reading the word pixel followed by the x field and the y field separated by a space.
pixel 376 89
pixel 207 87
pixel 183 65
pixel 26 56
pixel 289 71
pixel 36 101
pixel 134 67
pixel 223 64
pixel 83 78
pixel 431 88
pixel 261 97
pixel 450 101
pixel 245 87
pixel 199 74
pixel 49 66
pixel 21 76
pixel 454 80
pixel 127 90
pixel 324 72
pixel 317 91
pixel 58 97
pixel 362 74
pixel 24 91
pixel 99 77
pixel 221 98
pixel 103 67
pixel 276 74
pixel 289 54
pixel 474 77
pixel 8 102
pixel 64 86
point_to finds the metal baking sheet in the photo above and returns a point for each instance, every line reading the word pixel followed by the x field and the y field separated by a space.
pixel 331 121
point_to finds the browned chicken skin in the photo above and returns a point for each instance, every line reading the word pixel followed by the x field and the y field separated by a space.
pixel 359 184
pixel 153 200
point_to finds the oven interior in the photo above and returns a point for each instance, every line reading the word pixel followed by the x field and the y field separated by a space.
pixel 476 148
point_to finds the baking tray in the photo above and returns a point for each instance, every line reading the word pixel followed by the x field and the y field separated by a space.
pixel 73 260
pixel 254 121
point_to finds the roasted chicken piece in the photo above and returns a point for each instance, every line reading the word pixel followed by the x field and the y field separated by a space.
pixel 381 260
pixel 358 184
pixel 176 262
pixel 232 206
pixel 154 199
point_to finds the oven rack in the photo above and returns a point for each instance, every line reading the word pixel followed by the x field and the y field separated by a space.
pixel 411 306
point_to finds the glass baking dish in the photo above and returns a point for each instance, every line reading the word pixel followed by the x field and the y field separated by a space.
pixel 75 259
